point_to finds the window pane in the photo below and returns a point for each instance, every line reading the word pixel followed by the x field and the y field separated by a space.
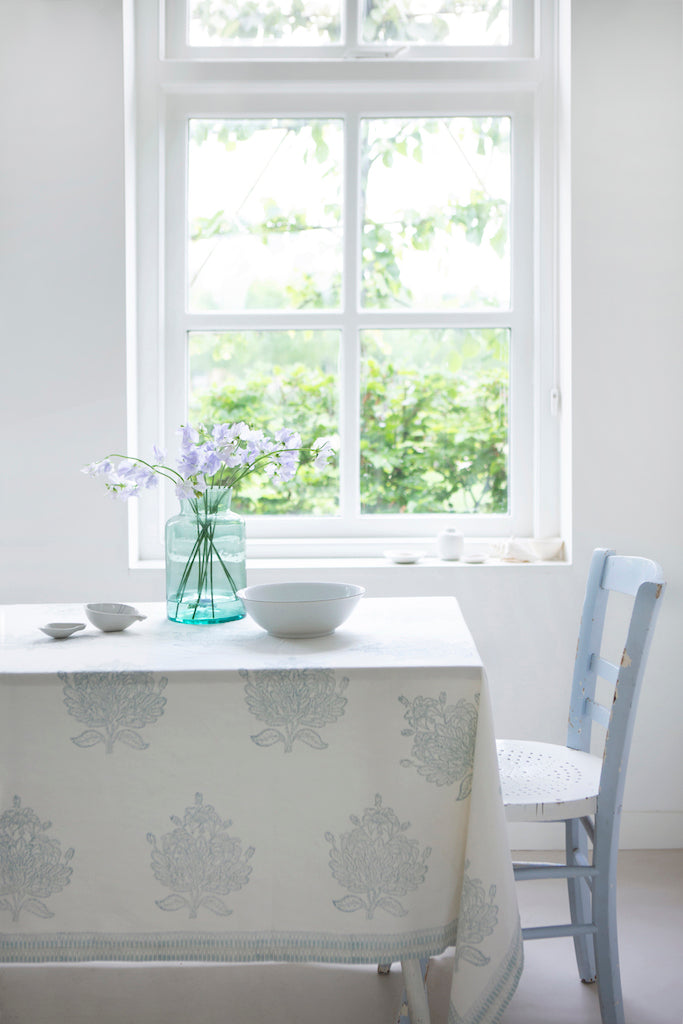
pixel 434 421
pixel 452 22
pixel 436 213
pixel 264 22
pixel 264 205
pixel 271 380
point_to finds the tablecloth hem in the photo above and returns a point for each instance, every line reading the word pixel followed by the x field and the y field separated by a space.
pixel 231 947
pixel 491 1004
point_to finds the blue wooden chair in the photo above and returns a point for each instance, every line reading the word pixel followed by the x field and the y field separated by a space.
pixel 545 782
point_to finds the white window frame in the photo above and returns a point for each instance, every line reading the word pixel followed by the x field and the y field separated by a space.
pixel 167 86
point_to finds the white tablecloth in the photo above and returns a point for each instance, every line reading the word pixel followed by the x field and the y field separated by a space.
pixel 213 793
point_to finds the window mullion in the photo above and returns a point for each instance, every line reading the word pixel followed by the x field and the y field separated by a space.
pixel 349 397
pixel 350 24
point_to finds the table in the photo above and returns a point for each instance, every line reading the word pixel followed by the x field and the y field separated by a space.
pixel 212 793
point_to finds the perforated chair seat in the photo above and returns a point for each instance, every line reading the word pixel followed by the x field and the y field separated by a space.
pixel 546 781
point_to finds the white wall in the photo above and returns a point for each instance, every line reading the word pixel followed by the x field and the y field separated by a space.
pixel 62 382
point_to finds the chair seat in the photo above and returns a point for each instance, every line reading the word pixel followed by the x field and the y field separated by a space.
pixel 547 782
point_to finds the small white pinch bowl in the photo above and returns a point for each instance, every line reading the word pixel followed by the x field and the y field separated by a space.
pixel 403 557
pixel 61 630
pixel 300 610
pixel 112 618
pixel 547 548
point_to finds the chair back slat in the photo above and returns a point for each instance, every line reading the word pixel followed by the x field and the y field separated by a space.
pixel 626 573
pixel 642 579
pixel 605 669
pixel 590 639
pixel 598 713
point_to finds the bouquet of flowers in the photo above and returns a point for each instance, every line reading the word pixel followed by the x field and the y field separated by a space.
pixel 205 544
pixel 219 457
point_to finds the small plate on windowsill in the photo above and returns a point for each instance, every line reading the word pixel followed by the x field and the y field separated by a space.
pixel 403 557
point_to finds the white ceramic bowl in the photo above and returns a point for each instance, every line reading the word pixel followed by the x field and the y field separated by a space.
pixel 547 548
pixel 61 630
pixel 112 618
pixel 294 610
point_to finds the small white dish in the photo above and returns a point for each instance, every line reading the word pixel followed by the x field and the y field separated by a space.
pixel 403 557
pixel 112 618
pixel 300 610
pixel 474 559
pixel 547 548
pixel 61 630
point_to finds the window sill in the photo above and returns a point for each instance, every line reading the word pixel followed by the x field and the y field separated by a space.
pixel 325 565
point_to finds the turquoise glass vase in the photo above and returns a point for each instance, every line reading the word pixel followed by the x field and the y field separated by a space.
pixel 205 560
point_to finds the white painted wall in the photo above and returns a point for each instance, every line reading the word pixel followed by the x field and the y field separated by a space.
pixel 62 376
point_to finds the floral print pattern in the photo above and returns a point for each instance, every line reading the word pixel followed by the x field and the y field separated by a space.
pixel 376 862
pixel 199 861
pixel 444 737
pixel 295 703
pixel 115 705
pixel 32 866
pixel 477 918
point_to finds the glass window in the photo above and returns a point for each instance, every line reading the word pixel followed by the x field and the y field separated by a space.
pixel 345 227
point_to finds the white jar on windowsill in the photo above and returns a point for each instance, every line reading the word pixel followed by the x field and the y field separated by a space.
pixel 450 544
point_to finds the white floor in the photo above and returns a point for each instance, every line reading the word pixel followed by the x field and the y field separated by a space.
pixel 651 940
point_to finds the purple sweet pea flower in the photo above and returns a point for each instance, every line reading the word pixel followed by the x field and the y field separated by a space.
pixel 188 461
pixel 226 433
pixel 184 490
pixel 209 460
pixel 288 462
pixel 188 436
pixel 103 468
pixel 325 452
pixel 289 438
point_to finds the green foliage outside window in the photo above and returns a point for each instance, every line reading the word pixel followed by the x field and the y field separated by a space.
pixel 433 404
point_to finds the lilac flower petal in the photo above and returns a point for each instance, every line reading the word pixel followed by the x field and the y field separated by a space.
pixel 188 435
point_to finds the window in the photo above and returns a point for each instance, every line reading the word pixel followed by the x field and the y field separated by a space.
pixel 344 225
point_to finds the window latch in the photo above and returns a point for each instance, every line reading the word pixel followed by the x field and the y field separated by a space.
pixel 554 401
pixel 374 54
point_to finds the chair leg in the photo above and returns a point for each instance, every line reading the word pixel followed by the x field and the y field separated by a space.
pixel 606 946
pixel 580 902
pixel 414 979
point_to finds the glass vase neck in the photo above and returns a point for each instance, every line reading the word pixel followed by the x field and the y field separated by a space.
pixel 212 500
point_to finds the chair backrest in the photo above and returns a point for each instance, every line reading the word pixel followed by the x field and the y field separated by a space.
pixel 642 579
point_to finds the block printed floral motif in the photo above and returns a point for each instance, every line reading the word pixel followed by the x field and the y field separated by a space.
pixel 199 861
pixel 376 862
pixel 477 918
pixel 295 703
pixel 32 866
pixel 115 705
pixel 444 737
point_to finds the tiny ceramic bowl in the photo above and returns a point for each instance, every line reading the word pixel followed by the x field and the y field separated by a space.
pixel 546 549
pixel 300 610
pixel 112 618
pixel 61 630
